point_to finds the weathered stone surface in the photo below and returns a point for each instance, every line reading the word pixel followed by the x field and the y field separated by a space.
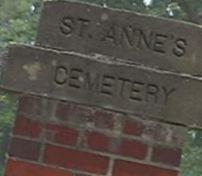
pixel 154 42
pixel 92 81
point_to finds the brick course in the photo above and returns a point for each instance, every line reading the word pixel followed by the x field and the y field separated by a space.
pixel 124 168
pixel 28 169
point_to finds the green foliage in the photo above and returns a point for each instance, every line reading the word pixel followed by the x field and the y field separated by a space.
pixel 187 10
pixel 7 106
pixel 18 23
pixel 192 156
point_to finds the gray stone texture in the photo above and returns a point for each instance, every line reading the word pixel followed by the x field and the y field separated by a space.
pixel 149 41
pixel 93 81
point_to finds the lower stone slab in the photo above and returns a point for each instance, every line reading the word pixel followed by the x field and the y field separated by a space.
pixel 104 83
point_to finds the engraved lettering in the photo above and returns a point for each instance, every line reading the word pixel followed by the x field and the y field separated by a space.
pixel 145 40
pixel 108 84
pixel 67 25
pixel 110 35
pixel 84 24
pixel 180 47
pixel 76 78
pixel 113 86
pixel 128 35
pixel 152 91
pixel 92 81
pixel 123 81
pixel 61 75
pixel 159 43
pixel 131 36
pixel 136 91
pixel 167 94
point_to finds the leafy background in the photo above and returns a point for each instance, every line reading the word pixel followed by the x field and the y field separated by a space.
pixel 18 23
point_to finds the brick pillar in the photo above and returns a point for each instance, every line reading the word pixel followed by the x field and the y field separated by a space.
pixel 54 138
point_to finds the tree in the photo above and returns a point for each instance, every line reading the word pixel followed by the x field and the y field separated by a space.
pixel 18 21
pixel 186 10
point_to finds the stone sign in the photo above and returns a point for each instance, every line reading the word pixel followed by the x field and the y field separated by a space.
pixel 89 80
pixel 154 42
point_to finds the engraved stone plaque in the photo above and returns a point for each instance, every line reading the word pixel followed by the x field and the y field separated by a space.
pixel 146 40
pixel 138 90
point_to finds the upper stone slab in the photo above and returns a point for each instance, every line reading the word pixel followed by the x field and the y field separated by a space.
pixel 154 42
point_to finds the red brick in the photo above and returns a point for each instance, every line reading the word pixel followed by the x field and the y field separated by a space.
pixel 123 147
pixel 20 168
pixel 24 149
pixel 27 127
pixel 76 160
pixel 63 111
pixel 97 119
pixel 124 168
pixel 169 156
pixel 63 135
pixel 72 113
pixel 133 127
pixel 103 119
pixel 157 132
pixel 132 148
pixel 98 141
pixel 30 105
